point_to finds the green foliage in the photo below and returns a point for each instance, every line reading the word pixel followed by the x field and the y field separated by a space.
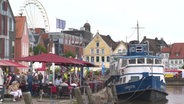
pixel 57 70
pixel 87 73
pixel 107 71
pixel 69 54
pixel 30 49
pixel 182 67
pixel 39 49
pixel 97 72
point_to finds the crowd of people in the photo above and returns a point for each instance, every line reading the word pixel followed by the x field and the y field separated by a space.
pixel 16 83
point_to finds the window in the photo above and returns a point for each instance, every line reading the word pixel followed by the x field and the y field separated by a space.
pixel 180 62
pixel 97 51
pixel 87 58
pixel 124 51
pixel 92 51
pixel 124 79
pixel 119 51
pixel 92 59
pixel 176 62
pixel 132 61
pixel 4 6
pixel 10 24
pixel 108 59
pixel 103 59
pixel 97 59
pixel 3 25
pixel 138 49
pixel 166 55
pixel 177 54
pixel 171 62
pixel 140 61
pixel 149 61
pixel 134 78
pixel 157 61
pixel 97 44
pixel 102 51
pixel 124 63
pixel 132 49
pixel 1 47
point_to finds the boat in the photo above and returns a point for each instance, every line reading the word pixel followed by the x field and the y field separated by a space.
pixel 139 75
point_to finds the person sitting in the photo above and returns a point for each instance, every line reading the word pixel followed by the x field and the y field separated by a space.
pixel 14 90
pixel 58 81
pixel 64 83
pixel 74 84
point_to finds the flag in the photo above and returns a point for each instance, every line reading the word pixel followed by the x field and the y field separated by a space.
pixel 103 69
pixel 60 23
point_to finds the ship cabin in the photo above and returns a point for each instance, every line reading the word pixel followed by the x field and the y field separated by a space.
pixel 138 64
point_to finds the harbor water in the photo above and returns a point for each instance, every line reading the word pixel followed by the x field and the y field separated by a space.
pixel 175 96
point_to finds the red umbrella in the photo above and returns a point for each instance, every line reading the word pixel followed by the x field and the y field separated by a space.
pixel 11 63
pixel 84 63
pixel 47 58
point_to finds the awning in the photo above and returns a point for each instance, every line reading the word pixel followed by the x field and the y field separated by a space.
pixel 11 63
pixel 47 58
pixel 81 62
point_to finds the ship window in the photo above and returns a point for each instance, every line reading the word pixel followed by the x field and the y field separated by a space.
pixel 157 61
pixel 120 80
pixel 139 49
pixel 132 61
pixel 149 61
pixel 124 79
pixel 140 61
pixel 134 78
pixel 124 63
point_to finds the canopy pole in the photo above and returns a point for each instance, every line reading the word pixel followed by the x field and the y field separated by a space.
pixel 53 66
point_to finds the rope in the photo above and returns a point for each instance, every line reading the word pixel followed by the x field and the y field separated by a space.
pixel 135 91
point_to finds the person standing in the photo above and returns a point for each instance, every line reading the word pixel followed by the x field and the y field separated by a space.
pixel 40 78
pixel 2 87
pixel 30 82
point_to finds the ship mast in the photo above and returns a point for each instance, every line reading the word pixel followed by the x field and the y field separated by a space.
pixel 137 31
pixel 137 28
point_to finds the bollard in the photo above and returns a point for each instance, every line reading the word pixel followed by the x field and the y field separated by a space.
pixel 78 95
pixel 27 98
pixel 89 94
pixel 41 94
pixel 114 94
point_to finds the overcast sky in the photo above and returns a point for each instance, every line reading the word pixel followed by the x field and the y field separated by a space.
pixel 159 18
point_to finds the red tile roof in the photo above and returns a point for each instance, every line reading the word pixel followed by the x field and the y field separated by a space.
pixel 176 51
pixel 20 24
pixel 166 50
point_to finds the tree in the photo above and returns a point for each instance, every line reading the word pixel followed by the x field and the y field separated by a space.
pixel 69 54
pixel 39 49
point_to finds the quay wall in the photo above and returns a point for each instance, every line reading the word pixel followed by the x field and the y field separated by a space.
pixel 174 82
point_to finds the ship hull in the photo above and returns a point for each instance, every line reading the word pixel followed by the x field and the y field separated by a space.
pixel 148 89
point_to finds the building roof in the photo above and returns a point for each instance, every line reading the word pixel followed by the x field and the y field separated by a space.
pixel 87 36
pixel 155 45
pixel 86 24
pixel 109 41
pixel 165 50
pixel 177 51
pixel 20 24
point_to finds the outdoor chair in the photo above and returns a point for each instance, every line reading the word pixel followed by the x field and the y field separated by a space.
pixel 65 92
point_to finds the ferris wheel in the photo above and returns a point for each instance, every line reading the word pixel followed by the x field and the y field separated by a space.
pixel 35 14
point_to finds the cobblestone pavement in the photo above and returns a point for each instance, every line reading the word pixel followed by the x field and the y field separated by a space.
pixel 37 101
